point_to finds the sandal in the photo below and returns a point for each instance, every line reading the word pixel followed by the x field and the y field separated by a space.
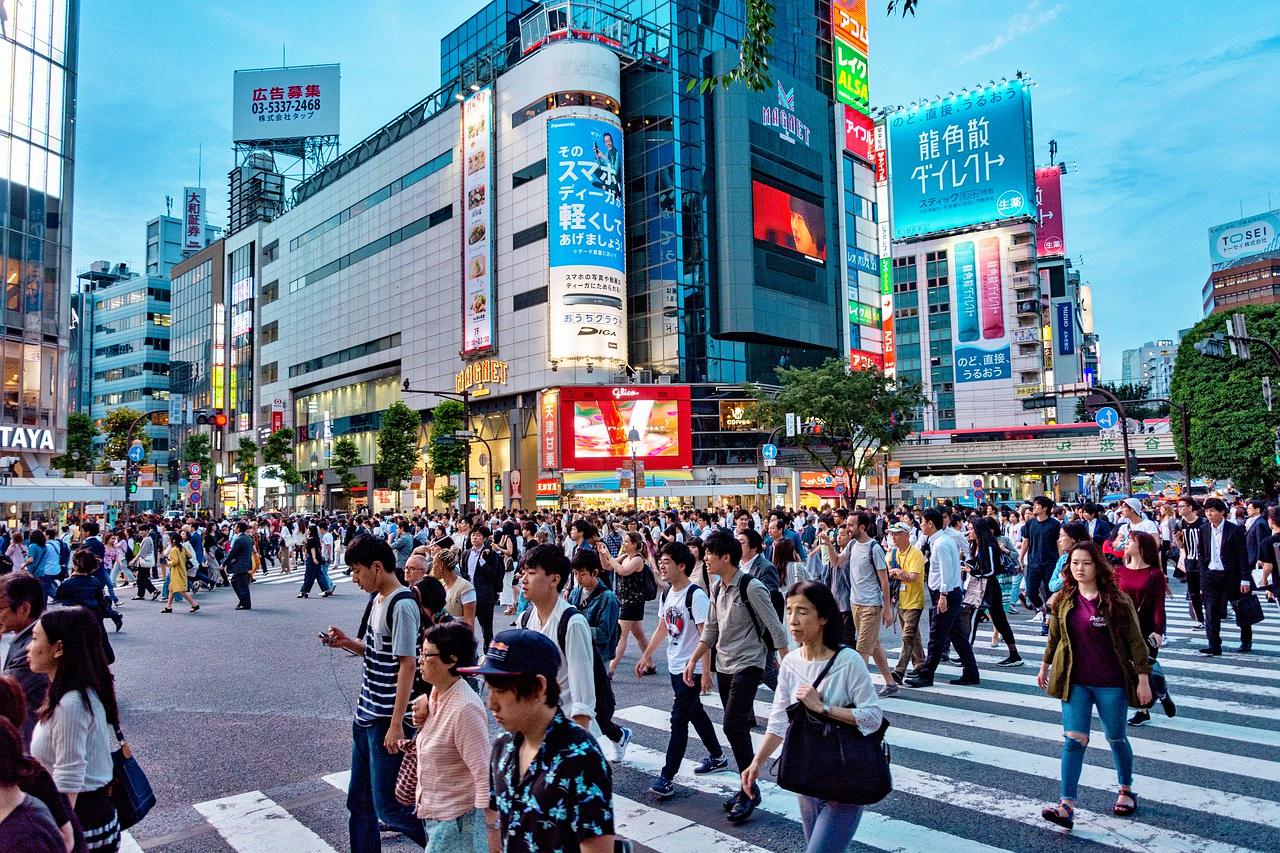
pixel 194 609
pixel 1054 815
pixel 1120 810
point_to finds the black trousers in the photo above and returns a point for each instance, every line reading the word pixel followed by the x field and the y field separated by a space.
pixel 993 598
pixel 738 696
pixel 1193 591
pixel 685 709
pixel 240 583
pixel 484 615
pixel 1215 591
pixel 145 585
pixel 945 630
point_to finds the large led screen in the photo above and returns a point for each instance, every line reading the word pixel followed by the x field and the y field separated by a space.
pixel 781 219
pixel 598 424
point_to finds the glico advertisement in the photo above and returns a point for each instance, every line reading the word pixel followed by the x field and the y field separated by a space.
pixel 601 426
pixel 586 243
pixel 982 306
pixel 962 161
pixel 477 223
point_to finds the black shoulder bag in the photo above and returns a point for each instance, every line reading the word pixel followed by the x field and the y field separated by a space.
pixel 831 760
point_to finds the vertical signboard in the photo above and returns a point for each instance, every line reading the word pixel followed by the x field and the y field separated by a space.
pixel 549 429
pixel 193 218
pixel 277 414
pixel 962 161
pixel 849 53
pixel 586 242
pixel 885 214
pixel 1064 320
pixel 849 20
pixel 859 135
pixel 982 303
pixel 1050 240
pixel 477 223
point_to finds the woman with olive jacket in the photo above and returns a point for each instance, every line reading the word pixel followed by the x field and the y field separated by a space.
pixel 1096 656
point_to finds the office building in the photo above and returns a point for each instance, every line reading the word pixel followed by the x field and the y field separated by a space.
pixel 1150 364
pixel 1244 263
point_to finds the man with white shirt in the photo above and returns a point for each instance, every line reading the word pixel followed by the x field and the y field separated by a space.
pixel 1133 519
pixel 947 595
pixel 1224 576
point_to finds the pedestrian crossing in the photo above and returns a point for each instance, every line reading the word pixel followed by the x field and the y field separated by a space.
pixel 972 767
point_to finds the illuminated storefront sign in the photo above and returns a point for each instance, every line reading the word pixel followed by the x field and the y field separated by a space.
pixel 548 429
pixel 477 223
pixel 25 438
pixel 736 416
pixel 782 117
pixel 480 374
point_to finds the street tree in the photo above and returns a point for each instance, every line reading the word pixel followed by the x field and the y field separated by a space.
pixel 196 449
pixel 81 432
pixel 858 414
pixel 277 457
pixel 121 428
pixel 247 462
pixel 447 453
pixel 1127 391
pixel 1232 433
pixel 346 456
pixel 398 445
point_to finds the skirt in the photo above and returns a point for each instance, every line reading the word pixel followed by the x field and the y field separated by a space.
pixel 97 816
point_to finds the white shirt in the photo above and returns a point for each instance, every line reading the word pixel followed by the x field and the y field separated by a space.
pixel 682 631
pixel 75 744
pixel 847 685
pixel 1215 546
pixel 577 671
pixel 944 563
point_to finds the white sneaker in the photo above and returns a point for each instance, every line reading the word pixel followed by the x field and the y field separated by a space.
pixel 1036 618
pixel 995 642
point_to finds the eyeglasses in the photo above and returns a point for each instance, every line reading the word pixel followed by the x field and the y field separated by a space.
pixel 431 655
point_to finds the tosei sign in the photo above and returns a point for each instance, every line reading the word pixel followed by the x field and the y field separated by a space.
pixel 285 103
pixel 1229 244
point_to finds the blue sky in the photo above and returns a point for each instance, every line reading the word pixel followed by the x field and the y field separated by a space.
pixel 1169 114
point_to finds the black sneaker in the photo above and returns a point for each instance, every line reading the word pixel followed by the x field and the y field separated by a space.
pixel 1211 652
pixel 732 803
pixel 897 677
pixel 1166 702
pixel 1011 660
pixel 1139 718
pixel 746 807
pixel 711 765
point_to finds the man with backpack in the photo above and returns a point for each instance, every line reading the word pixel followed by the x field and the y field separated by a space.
pixel 585 691
pixel 872 606
pixel 744 630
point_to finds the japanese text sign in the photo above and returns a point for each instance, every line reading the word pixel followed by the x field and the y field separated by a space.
pixel 477 223
pixel 193 218
pixel 285 103
pixel 1050 242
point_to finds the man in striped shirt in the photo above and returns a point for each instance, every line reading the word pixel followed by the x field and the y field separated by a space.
pixel 389 645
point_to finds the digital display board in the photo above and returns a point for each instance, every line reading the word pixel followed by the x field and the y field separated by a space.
pixel 784 220
pixel 596 424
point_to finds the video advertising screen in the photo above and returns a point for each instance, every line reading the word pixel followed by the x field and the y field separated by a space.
pixel 605 423
pixel 784 220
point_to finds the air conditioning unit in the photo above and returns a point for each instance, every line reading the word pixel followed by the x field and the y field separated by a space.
pixel 644 376
pixel 664 378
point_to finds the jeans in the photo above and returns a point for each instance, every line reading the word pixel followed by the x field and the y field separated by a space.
pixel 466 834
pixel 738 696
pixel 1113 704
pixel 827 825
pixel 945 630
pixel 104 577
pixel 1215 590
pixel 371 794
pixel 912 648
pixel 314 574
pixel 687 708
pixel 50 584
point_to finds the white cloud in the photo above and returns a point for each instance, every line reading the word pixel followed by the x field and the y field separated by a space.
pixel 1028 22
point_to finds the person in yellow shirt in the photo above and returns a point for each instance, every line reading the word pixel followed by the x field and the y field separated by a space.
pixel 906 565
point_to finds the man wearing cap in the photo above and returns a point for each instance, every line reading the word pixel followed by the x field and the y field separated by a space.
pixel 906 566
pixel 1133 519
pixel 549 783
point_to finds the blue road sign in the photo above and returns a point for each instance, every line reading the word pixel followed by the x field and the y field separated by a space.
pixel 137 453
pixel 1107 417
pixel 769 451
pixel 182 482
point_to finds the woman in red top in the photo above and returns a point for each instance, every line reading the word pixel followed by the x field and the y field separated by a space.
pixel 1142 579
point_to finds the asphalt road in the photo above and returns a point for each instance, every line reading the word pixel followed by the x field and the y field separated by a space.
pixel 249 709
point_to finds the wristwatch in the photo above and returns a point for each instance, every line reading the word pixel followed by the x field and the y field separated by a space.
pixel 826 709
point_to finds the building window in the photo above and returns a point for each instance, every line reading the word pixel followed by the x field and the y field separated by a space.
pixel 528 236
pixel 531 172
pixel 530 298
pixel 563 99
pixel 268 372
pixel 270 292
pixel 348 354
pixel 271 332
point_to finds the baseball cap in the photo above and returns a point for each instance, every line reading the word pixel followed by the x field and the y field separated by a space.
pixel 519 651
pixel 1133 504
pixel 899 527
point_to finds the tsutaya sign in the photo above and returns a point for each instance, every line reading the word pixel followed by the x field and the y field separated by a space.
pixel 481 373
pixel 782 117
pixel 25 438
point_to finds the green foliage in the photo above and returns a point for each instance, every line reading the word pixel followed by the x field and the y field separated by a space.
pixel 1127 391
pixel 80 434
pixel 1232 433
pixel 398 445
pixel 277 456
pixel 247 462
pixel 448 494
pixel 196 448
pixel 907 6
pixel 861 412
pixel 345 457
pixel 120 436
pixel 446 454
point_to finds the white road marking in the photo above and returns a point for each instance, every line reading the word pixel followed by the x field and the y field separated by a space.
pixel 254 823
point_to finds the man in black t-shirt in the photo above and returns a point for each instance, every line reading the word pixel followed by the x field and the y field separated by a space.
pixel 1039 549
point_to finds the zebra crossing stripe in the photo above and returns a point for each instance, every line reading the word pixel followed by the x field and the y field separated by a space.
pixel 1194 669
pixel 670 832
pixel 128 844
pixel 254 823
pixel 1099 828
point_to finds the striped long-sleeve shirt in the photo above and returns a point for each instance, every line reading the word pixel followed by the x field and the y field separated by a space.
pixel 453 745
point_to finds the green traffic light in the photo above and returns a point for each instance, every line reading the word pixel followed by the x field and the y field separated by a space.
pixel 133 488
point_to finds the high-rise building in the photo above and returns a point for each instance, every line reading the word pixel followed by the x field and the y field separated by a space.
pixel 38 50
pixel 1244 262
pixel 1151 364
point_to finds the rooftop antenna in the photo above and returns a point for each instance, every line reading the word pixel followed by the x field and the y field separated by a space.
pixel 199 163
pixel 168 205
pixel 1053 151
pixel 283 62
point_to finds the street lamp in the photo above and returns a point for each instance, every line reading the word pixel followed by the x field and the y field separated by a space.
pixel 633 439
pixel 463 397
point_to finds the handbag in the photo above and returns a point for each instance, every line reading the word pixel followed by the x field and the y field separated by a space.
pixel 648 583
pixel 975 592
pixel 131 792
pixel 1248 610
pixel 831 760
pixel 407 777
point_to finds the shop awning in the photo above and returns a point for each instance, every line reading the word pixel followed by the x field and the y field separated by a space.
pixel 55 489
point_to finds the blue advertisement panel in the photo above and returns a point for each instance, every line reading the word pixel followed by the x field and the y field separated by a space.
pixel 1235 242
pixel 586 242
pixel 962 161
pixel 1065 320
pixel 981 342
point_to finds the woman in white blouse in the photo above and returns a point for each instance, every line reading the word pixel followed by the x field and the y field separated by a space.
pixel 845 695
pixel 76 727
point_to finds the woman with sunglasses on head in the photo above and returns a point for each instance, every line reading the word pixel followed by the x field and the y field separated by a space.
pixel 1095 656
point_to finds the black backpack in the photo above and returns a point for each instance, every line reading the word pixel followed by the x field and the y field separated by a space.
pixel 764 635
pixel 419 685
pixel 606 704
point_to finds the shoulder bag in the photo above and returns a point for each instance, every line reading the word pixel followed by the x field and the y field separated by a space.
pixel 131 793
pixel 1248 610
pixel 832 760
pixel 407 776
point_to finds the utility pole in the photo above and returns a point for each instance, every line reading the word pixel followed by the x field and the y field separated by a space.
pixel 1111 398
pixel 463 397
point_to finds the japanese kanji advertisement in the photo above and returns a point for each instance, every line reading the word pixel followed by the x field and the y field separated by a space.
pixel 285 103
pixel 477 223
pixel 980 303
pixel 193 218
pixel 586 240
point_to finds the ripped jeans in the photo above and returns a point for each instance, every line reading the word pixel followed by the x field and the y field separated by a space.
pixel 1077 711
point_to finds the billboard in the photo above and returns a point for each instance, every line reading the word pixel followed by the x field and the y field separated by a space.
pixel 1233 242
pixel 596 425
pixel 1064 321
pixel 982 305
pixel 852 83
pixel 193 218
pixel 862 359
pixel 549 429
pixel 859 135
pixel 783 220
pixel 1050 240
pixel 849 19
pixel 586 242
pixel 477 223
pixel 285 103
pixel 962 161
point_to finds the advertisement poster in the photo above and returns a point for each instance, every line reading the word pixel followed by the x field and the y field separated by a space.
pixel 193 218
pixel 285 103
pixel 788 222
pixel 859 135
pixel 849 18
pixel 852 82
pixel 1233 242
pixel 477 223
pixel 1050 240
pixel 981 333
pixel 549 428
pixel 962 161
pixel 1064 321
pixel 586 243
pixel 603 425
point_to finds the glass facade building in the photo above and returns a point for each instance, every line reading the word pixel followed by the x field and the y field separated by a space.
pixel 38 46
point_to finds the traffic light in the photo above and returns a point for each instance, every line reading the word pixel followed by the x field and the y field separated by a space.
pixel 1213 346
pixel 218 419
pixel 759 481
pixel 131 477
pixel 497 484
pixel 201 416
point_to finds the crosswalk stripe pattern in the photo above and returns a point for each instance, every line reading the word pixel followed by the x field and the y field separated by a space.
pixel 972 767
